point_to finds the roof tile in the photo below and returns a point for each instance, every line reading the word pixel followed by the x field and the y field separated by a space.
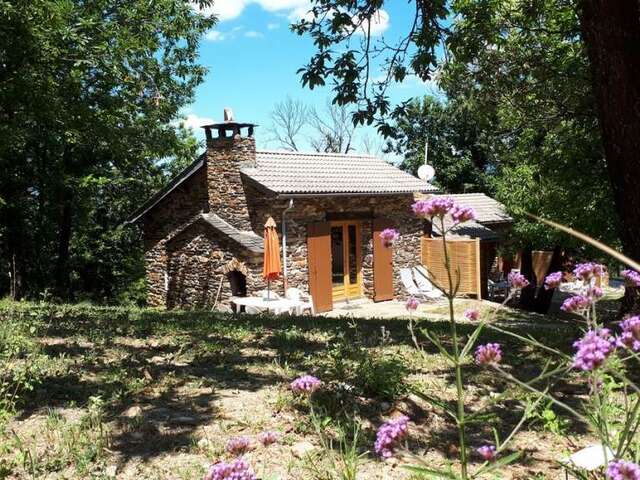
pixel 469 229
pixel 249 240
pixel 488 210
pixel 295 172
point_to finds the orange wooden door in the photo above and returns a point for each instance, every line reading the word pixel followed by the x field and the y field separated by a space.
pixel 382 263
pixel 319 264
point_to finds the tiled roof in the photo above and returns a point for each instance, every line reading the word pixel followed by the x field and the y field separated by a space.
pixel 249 240
pixel 467 229
pixel 295 172
pixel 488 210
pixel 299 173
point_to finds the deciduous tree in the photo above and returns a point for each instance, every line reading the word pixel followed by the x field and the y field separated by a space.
pixel 89 96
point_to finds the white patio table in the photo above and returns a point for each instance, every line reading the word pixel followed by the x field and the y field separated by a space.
pixel 280 305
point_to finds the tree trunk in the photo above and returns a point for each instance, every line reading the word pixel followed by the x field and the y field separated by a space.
pixel 15 246
pixel 611 30
pixel 528 294
pixel 544 297
pixel 64 239
pixel 532 298
pixel 65 200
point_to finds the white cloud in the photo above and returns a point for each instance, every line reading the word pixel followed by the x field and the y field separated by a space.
pixel 215 36
pixel 273 26
pixel 379 24
pixel 429 87
pixel 301 12
pixel 293 9
pixel 253 34
pixel 195 122
pixel 223 9
pixel 218 36
pixel 279 5
pixel 230 9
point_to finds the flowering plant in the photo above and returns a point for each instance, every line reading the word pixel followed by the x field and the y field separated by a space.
pixel 601 359
pixel 472 314
pixel 412 304
pixel 306 384
pixel 448 215
pixel 389 236
pixel 238 469
pixel 390 434
pixel 631 277
pixel 269 438
pixel 238 445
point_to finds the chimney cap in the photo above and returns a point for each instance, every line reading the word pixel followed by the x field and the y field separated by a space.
pixel 228 125
pixel 229 122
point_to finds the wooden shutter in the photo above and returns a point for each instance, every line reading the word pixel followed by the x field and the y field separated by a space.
pixel 464 256
pixel 382 263
pixel 319 264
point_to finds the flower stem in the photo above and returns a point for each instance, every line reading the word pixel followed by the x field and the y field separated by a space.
pixel 460 420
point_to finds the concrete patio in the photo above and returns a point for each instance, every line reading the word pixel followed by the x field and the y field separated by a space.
pixel 365 308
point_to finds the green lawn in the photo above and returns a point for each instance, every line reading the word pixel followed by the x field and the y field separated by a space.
pixel 94 392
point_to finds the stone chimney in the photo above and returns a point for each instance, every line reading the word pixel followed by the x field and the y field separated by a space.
pixel 230 147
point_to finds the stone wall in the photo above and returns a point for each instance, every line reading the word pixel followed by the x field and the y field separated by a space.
pixel 217 187
pixel 225 157
pixel 169 216
pixel 322 208
pixel 197 260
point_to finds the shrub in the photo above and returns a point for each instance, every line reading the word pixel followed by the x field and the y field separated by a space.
pixel 381 376
pixel 367 370
pixel 22 364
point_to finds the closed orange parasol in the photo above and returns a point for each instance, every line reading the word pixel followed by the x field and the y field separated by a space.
pixel 272 267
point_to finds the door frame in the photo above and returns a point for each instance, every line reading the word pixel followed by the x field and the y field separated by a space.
pixel 348 290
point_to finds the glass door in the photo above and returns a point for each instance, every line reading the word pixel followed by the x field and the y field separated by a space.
pixel 346 268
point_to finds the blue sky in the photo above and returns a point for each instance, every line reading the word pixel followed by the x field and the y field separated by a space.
pixel 252 58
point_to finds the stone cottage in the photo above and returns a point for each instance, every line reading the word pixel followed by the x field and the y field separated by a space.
pixel 203 231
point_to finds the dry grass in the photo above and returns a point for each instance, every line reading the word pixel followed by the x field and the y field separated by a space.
pixel 145 394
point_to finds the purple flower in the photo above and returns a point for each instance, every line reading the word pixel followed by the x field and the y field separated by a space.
pixel 632 278
pixel 472 314
pixel 390 434
pixel 434 207
pixel 585 271
pixel 553 280
pixel 462 214
pixel 593 349
pixel 576 303
pixel 630 337
pixel 594 292
pixel 412 304
pixel 269 438
pixel 623 470
pixel 236 470
pixel 239 445
pixel 517 280
pixel 389 236
pixel 489 354
pixel 306 384
pixel 488 452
